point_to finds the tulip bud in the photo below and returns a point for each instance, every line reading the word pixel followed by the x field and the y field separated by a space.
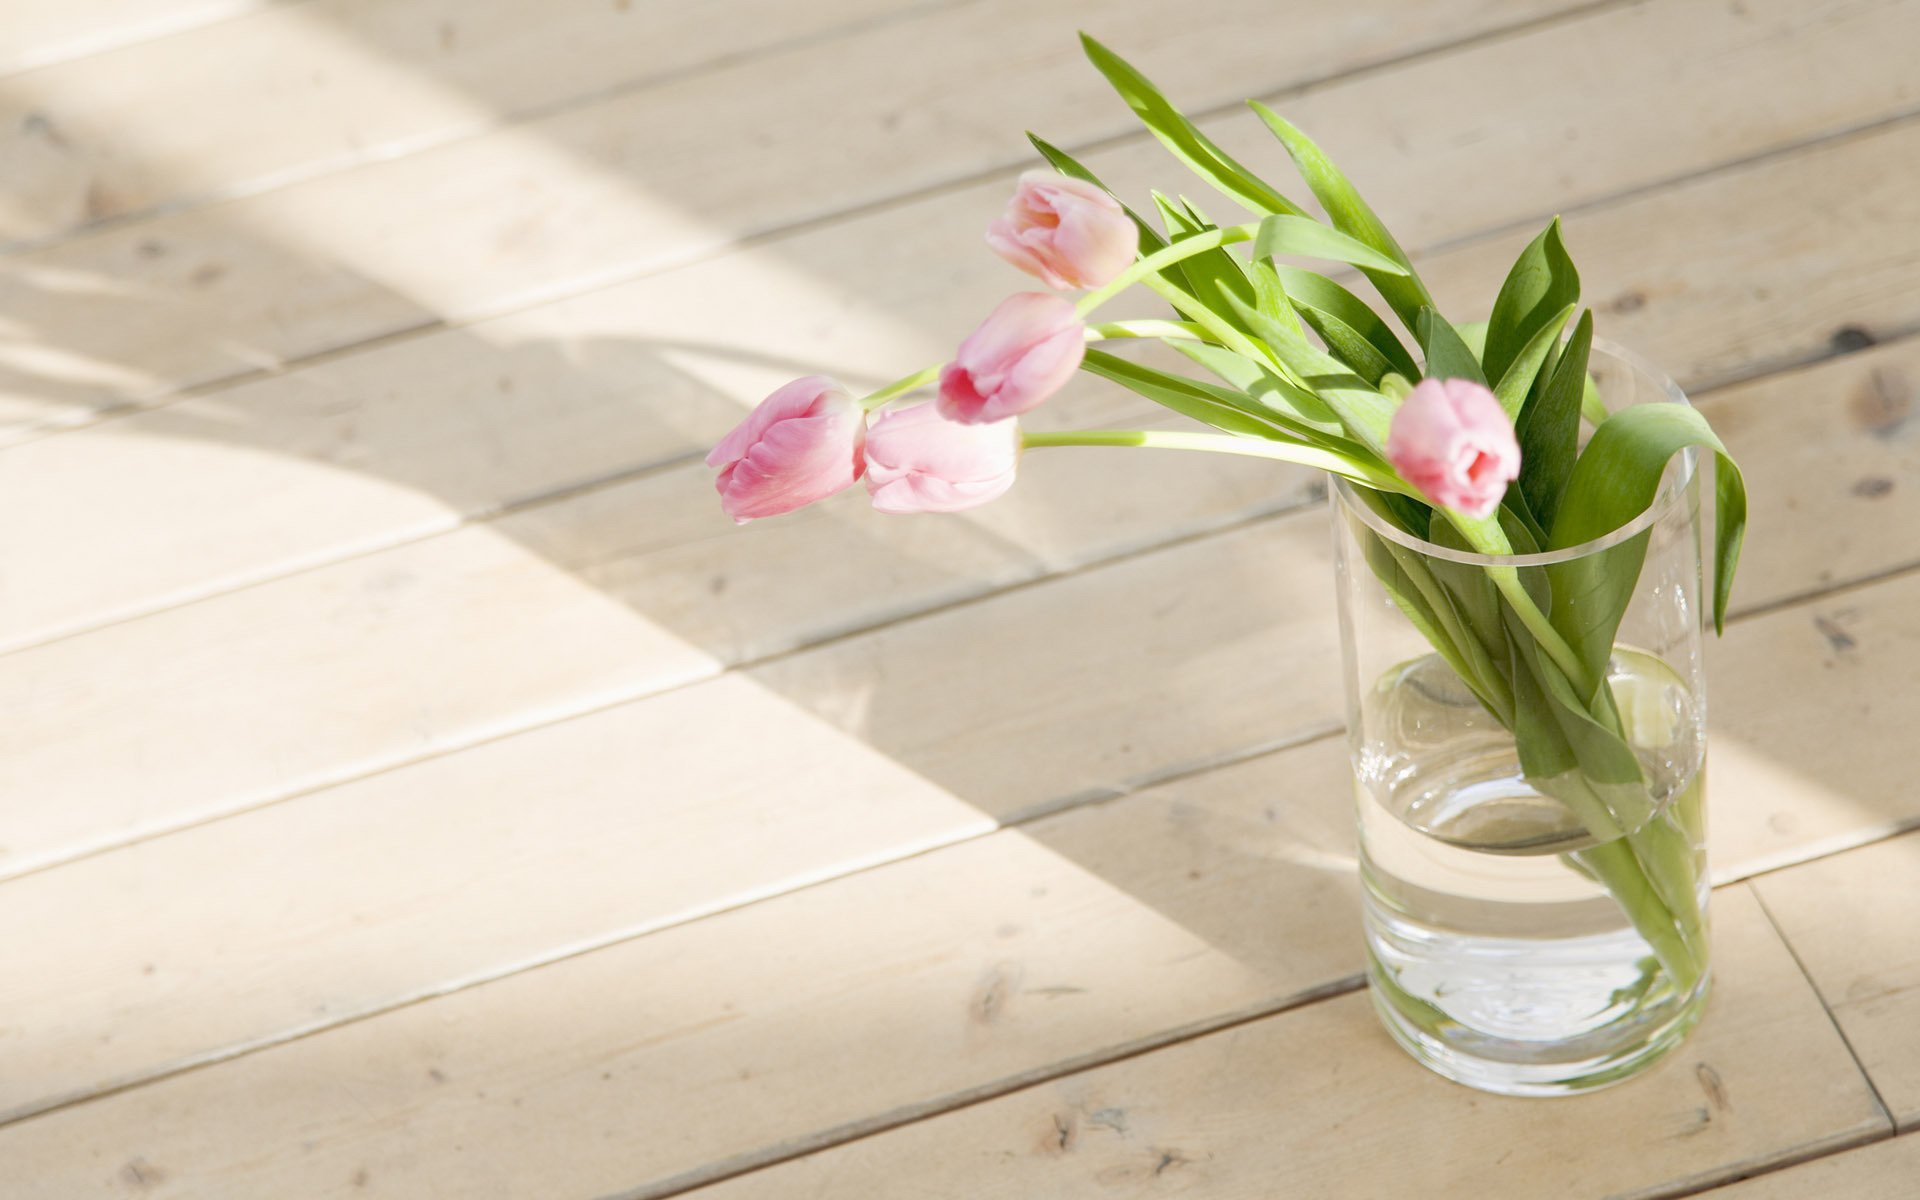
pixel 919 461
pixel 1024 352
pixel 803 443
pixel 1064 231
pixel 1451 440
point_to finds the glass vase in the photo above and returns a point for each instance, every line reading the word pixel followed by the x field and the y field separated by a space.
pixel 1532 835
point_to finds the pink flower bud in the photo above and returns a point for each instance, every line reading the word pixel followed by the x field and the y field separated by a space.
pixel 1065 231
pixel 918 461
pixel 1451 440
pixel 803 443
pixel 1024 351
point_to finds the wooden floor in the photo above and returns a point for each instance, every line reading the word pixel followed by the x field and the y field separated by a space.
pixel 412 786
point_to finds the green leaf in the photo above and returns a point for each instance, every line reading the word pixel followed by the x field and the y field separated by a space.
pixel 1448 357
pixel 1180 135
pixel 1282 234
pixel 1619 473
pixel 1343 321
pixel 1542 283
pixel 1207 277
pixel 1270 297
pixel 1224 410
pixel 1474 334
pixel 1404 575
pixel 1592 407
pixel 1404 293
pixel 1549 427
pixel 1299 409
pixel 1513 387
pixel 1364 412
pixel 1066 164
pixel 1590 598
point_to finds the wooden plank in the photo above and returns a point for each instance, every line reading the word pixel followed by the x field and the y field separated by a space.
pixel 625 187
pixel 1319 1102
pixel 272 690
pixel 1204 873
pixel 348 901
pixel 1793 779
pixel 405 439
pixel 1832 457
pixel 1849 920
pixel 1884 1170
pixel 636 1069
pixel 35 33
pixel 264 693
pixel 336 82
pixel 866 750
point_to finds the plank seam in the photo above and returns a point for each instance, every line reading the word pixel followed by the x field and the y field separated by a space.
pixel 1879 1102
pixel 909 1114
pixel 1708 1181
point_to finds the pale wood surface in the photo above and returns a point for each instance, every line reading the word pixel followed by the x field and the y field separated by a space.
pixel 1844 916
pixel 1883 1171
pixel 410 785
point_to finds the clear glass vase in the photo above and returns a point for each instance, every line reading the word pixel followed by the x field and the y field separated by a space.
pixel 1532 842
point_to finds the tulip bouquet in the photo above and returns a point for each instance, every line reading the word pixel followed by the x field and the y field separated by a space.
pixel 1488 438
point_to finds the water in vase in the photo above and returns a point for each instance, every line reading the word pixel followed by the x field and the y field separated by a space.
pixel 1496 950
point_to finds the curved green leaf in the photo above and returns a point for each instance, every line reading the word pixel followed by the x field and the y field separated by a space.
pixel 1283 399
pixel 1304 236
pixel 1209 276
pixel 1364 412
pixel 1448 357
pixel 1542 282
pixel 1224 410
pixel 1404 293
pixel 1619 473
pixel 1518 380
pixel 1343 320
pixel 1549 428
pixel 1183 138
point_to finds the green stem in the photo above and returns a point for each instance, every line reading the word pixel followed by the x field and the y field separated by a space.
pixel 1212 322
pixel 1507 579
pixel 1222 443
pixel 901 387
pixel 1154 263
pixel 1183 331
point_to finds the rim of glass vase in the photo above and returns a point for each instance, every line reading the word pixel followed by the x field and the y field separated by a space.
pixel 1673 486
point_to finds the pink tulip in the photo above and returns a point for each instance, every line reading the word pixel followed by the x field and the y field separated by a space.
pixel 1452 441
pixel 1024 351
pixel 918 461
pixel 1065 231
pixel 803 443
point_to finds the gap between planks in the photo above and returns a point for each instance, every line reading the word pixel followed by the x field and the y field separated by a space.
pixel 1879 1101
